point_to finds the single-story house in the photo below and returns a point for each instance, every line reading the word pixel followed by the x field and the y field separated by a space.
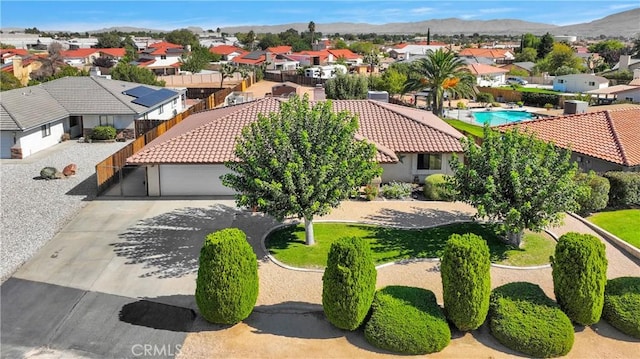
pixel 527 66
pixel 617 92
pixel 487 75
pixel 600 141
pixel 34 118
pixel 579 83
pixel 227 52
pixel 188 159
pixel 80 57
pixel 499 56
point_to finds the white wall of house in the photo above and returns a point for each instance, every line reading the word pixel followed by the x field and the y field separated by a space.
pixel 407 170
pixel 165 111
pixel 491 80
pixel 577 84
pixel 629 95
pixel 37 139
pixel 153 180
pixel 190 180
pixel 118 121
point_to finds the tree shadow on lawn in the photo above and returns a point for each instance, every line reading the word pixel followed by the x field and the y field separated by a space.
pixel 168 245
pixel 417 217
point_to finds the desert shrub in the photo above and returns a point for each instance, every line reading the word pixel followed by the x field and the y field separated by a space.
pixel 436 188
pixel 48 173
pixel 466 280
pixel 348 283
pixel 461 105
pixel 622 305
pixel 593 192
pixel 407 320
pixel 396 190
pixel 523 318
pixel 227 282
pixel 580 276
pixel 625 188
pixel 484 97
pixel 370 192
pixel 103 133
pixel 65 137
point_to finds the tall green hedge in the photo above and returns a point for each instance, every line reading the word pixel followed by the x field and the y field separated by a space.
pixel 539 99
pixel 348 283
pixel 407 320
pixel 466 280
pixel 523 318
pixel 580 276
pixel 622 305
pixel 625 188
pixel 227 283
pixel 593 192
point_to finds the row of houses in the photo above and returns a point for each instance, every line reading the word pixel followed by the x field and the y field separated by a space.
pixel 36 117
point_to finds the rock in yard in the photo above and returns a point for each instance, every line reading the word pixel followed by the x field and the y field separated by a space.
pixel 48 173
pixel 70 170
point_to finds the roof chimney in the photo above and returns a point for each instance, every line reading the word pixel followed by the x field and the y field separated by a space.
pixel 95 72
pixel 624 62
pixel 318 93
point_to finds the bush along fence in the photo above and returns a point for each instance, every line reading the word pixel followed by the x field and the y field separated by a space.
pixel 109 171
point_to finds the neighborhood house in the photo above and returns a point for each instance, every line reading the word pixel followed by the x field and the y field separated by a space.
pixel 188 160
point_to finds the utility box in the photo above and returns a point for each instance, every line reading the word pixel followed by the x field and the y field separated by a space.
pixel 572 107
pixel 382 96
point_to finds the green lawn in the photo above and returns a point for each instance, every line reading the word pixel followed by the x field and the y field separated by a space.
pixel 531 89
pixel 465 127
pixel 391 244
pixel 625 224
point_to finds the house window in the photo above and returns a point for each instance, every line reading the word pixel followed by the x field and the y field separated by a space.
pixel 630 99
pixel 591 83
pixel 46 130
pixel 163 57
pixel 106 120
pixel 174 103
pixel 560 81
pixel 429 161
pixel 161 109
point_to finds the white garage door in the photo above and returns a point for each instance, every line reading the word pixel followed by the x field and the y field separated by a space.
pixel 193 180
pixel 6 141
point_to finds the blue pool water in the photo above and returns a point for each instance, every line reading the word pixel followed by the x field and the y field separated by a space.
pixel 495 118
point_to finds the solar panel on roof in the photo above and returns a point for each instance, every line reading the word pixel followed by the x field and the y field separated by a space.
pixel 138 91
pixel 154 98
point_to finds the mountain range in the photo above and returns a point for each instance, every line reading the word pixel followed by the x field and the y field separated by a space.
pixel 625 24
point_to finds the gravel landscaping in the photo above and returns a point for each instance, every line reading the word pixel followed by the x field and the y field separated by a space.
pixel 34 210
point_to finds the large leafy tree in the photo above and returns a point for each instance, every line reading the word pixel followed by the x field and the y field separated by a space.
pixel 527 54
pixel 8 81
pixel 197 60
pixel 301 161
pixel 562 56
pixel 132 73
pixel 545 45
pixel 182 37
pixel 108 40
pixel 441 71
pixel 516 181
pixel 610 50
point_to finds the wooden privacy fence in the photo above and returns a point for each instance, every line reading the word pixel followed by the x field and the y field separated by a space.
pixel 502 95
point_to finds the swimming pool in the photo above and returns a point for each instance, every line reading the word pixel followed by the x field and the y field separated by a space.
pixel 495 118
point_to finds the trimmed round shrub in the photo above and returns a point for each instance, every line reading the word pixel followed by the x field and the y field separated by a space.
pixel 407 320
pixel 348 283
pixel 523 318
pixel 103 133
pixel 227 283
pixel 436 189
pixel 466 280
pixel 593 192
pixel 48 173
pixel 622 305
pixel 580 276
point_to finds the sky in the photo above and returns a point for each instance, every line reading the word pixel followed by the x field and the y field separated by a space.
pixel 168 15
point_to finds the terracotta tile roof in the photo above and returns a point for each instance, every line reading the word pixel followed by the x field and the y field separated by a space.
pixel 79 53
pixel 346 53
pixel 482 69
pixel 490 53
pixel 612 136
pixel 225 50
pixel 115 52
pixel 160 48
pixel 209 137
pixel 280 49
pixel 21 52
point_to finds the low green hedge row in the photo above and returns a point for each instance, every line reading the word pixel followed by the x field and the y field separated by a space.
pixel 625 188
pixel 622 305
pixel 523 318
pixel 407 320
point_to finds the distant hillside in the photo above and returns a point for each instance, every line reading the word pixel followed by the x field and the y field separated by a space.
pixel 621 24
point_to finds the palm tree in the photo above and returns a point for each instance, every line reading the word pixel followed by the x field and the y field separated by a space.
pixel 441 71
pixel 312 29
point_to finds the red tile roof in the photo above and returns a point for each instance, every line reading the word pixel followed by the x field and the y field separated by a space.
pixel 482 69
pixel 21 52
pixel 280 49
pixel 490 53
pixel 78 53
pixel 246 61
pixel 209 137
pixel 612 136
pixel 225 50
pixel 160 48
pixel 114 52
pixel 346 53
